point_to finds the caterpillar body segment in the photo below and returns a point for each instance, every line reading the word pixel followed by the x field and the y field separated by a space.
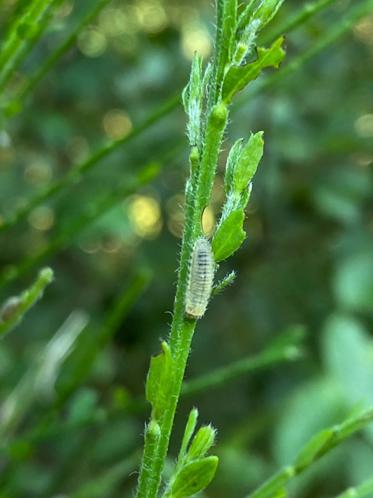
pixel 201 277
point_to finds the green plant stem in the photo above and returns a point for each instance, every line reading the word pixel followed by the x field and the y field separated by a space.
pixel 16 310
pixel 272 355
pixel 50 62
pixel 22 36
pixel 364 489
pixel 89 215
pixel 78 172
pixel 321 444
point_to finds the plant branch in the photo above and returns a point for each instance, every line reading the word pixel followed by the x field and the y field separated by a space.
pixel 318 446
pixel 15 308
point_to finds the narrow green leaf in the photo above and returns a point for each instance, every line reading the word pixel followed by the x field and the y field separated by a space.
pixel 157 383
pixel 232 160
pixel 229 235
pixel 225 282
pixel 267 11
pixel 202 442
pixel 313 449
pixel 238 77
pixel 248 161
pixel 188 433
pixel 364 489
pixel 261 11
pixel 194 477
pixel 192 100
pixel 275 485
pixel 320 444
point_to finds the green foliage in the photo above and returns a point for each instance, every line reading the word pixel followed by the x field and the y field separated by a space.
pixel 229 235
pixel 194 471
pixel 91 184
pixel 157 384
pixel 193 477
pixel 238 76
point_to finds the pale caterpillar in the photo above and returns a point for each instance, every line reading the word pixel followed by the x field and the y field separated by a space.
pixel 201 277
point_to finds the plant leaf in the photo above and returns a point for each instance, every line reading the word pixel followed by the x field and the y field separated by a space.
pixel 248 161
pixel 229 235
pixel 194 477
pixel 238 77
pixel 313 449
pixel 188 433
pixel 233 157
pixel 157 382
pixel 202 442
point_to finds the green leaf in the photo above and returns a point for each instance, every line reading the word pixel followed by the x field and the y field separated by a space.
pixel 232 159
pixel 229 235
pixel 225 282
pixel 192 99
pixel 313 449
pixel 238 77
pixel 202 442
pixel 194 477
pixel 188 433
pixel 248 161
pixel 158 380
pixel 267 11
pixel 261 11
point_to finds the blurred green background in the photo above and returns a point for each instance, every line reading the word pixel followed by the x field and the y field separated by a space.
pixel 76 430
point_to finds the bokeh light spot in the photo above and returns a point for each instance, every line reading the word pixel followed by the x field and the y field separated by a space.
pixel 92 43
pixel 151 16
pixel 37 173
pixel 364 126
pixel 114 22
pixel 41 218
pixel 175 214
pixel 363 30
pixel 195 38
pixel 145 216
pixel 116 124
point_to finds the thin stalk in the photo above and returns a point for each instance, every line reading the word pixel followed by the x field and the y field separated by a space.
pixel 272 355
pixel 77 172
pixel 318 446
pixel 364 489
pixel 198 193
pixel 15 308
pixel 22 36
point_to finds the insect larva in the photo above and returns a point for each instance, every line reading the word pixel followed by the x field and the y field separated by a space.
pixel 201 277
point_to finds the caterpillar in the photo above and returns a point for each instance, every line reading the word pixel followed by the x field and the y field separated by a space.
pixel 201 277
